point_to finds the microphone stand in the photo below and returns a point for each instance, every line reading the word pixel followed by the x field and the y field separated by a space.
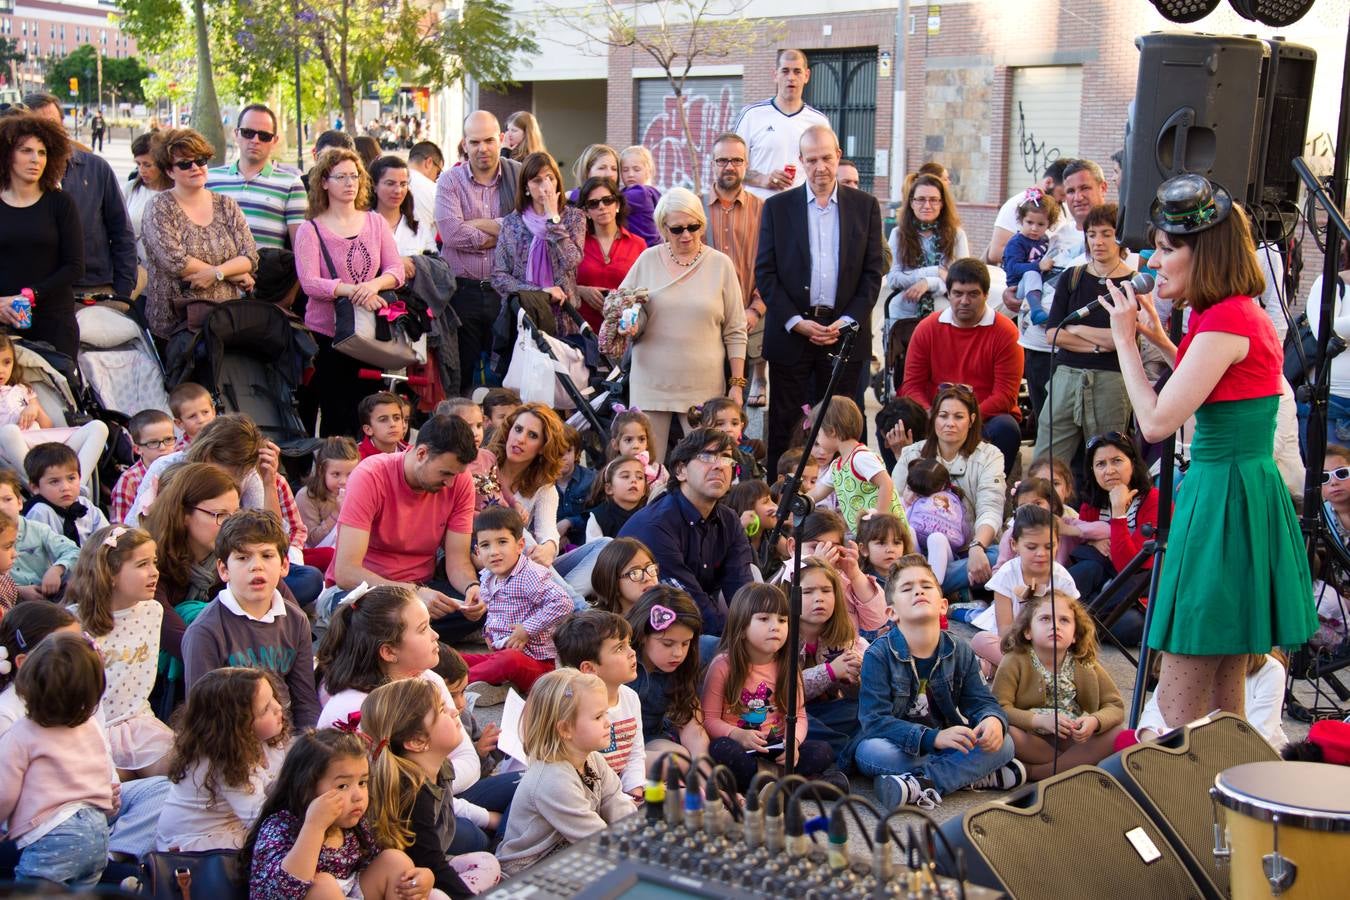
pixel 798 505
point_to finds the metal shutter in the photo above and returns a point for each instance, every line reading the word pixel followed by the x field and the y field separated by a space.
pixel 1046 111
pixel 712 104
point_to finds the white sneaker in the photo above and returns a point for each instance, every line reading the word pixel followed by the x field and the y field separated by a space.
pixel 906 790
pixel 1004 778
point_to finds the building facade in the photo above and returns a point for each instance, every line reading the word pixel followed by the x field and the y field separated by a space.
pixel 50 29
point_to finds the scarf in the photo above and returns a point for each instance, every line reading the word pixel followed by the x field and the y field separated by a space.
pixel 202 579
pixel 70 516
pixel 538 267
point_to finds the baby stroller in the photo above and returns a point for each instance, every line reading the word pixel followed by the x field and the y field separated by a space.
pixel 118 360
pixel 250 355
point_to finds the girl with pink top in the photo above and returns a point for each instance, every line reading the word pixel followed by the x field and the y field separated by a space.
pixel 344 250
pixel 746 687
pixel 56 776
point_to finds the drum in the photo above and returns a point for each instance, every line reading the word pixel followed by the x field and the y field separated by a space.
pixel 1288 829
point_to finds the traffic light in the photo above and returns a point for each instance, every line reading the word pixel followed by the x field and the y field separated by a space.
pixel 74 86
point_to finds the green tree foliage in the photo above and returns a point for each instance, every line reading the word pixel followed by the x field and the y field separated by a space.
pixel 122 77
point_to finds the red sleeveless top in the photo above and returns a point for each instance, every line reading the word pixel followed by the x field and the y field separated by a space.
pixel 1258 375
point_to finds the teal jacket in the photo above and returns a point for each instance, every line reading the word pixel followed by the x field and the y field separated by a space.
pixel 39 549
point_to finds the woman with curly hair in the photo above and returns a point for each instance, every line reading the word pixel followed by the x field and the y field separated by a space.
pixel 41 244
pixel 198 247
pixel 346 249
pixel 231 737
pixel 529 448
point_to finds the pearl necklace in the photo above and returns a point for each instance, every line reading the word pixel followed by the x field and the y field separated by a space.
pixel 675 259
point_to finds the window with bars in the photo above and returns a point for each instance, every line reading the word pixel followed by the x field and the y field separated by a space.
pixel 843 86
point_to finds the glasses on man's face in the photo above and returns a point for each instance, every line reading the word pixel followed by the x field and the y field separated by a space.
pixel 712 457
pixel 639 574
pixel 598 202
pixel 345 179
pixel 723 162
pixel 1338 474
pixel 692 228
pixel 187 165
pixel 253 134
pixel 159 444
pixel 219 516
pixel 927 201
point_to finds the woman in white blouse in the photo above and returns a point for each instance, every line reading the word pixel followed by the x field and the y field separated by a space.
pixel 144 183
pixel 394 202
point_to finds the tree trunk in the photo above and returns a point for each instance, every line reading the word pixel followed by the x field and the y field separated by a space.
pixel 205 105
pixel 695 160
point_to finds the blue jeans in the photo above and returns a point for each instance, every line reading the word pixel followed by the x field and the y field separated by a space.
pixel 832 721
pixel 957 577
pixel 1338 422
pixel 306 583
pixel 494 794
pixel 949 770
pixel 1005 433
pixel 72 854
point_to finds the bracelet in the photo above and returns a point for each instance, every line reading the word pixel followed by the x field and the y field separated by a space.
pixel 737 381
pixel 829 670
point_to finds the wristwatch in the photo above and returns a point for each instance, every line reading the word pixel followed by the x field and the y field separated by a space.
pixel 555 219
pixel 220 276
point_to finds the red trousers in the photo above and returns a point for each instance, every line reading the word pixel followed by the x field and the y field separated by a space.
pixel 507 666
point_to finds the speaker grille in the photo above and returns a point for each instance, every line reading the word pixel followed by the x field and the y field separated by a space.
pixel 1176 782
pixel 1073 841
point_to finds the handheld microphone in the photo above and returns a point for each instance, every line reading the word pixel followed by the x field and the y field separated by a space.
pixel 1142 282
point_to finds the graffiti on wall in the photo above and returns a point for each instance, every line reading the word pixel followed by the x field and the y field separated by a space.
pixel 664 137
pixel 1036 156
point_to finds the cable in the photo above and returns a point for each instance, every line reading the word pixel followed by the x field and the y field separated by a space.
pixel 958 860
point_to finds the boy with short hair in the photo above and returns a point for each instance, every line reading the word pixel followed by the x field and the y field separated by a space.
pixel 574 484
pixel 600 643
pixel 929 750
pixel 498 403
pixel 45 557
pixel 251 623
pixel 192 408
pixel 53 471
pixel 524 605
pixel 152 436
pixel 9 553
pixel 384 424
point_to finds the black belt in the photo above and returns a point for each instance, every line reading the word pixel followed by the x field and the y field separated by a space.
pixel 820 312
pixel 482 285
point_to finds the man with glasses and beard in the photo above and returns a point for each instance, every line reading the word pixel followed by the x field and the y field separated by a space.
pixel 271 196
pixel 733 228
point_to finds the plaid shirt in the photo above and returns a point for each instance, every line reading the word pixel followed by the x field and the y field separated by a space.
pixel 124 492
pixel 290 514
pixel 528 597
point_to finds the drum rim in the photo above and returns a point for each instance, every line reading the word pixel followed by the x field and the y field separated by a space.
pixel 1291 816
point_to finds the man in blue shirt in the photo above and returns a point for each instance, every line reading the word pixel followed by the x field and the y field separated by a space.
pixel 698 542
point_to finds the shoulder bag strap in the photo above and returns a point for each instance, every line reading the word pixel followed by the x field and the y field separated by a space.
pixel 323 248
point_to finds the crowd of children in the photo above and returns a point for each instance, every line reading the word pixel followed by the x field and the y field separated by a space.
pixel 217 718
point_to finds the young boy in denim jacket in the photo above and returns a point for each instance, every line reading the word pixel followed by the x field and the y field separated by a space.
pixel 930 725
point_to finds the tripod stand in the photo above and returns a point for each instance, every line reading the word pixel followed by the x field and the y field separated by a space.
pixel 798 505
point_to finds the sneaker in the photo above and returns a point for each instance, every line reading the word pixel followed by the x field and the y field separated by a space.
pixel 834 777
pixel 964 612
pixel 1004 778
pixel 488 694
pixel 906 790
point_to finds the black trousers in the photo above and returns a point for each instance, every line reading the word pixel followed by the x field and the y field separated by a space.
pixel 791 385
pixel 335 391
pixel 477 305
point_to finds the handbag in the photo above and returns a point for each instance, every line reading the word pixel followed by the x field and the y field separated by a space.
pixel 532 372
pixel 371 336
pixel 199 875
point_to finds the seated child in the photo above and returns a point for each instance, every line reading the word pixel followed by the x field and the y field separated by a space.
pixel 231 738
pixel 44 557
pixel 574 484
pixel 822 535
pixel 411 784
pixel 523 602
pixel 24 423
pixel 483 469
pixel 934 510
pixel 1037 492
pixel 568 793
pixel 624 570
pixel 250 623
pixel 746 689
pixel 882 540
pixel 725 415
pixel 636 167
pixel 192 408
pixel 631 435
pixel 832 653
pixel 753 501
pixel 857 478
pixel 952 733
pixel 666 624
pixel 498 404
pixel 152 436
pixel 20 632
pixel 1053 638
pixel 787 465
pixel 9 552
pixel 1028 573
pixel 383 424
pixel 901 420
pixel 56 777
pixel 320 500
pixel 599 643
pixel 1263 704
pixel 620 490
pixel 53 472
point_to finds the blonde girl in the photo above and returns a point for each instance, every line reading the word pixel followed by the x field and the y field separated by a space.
pixel 569 792
pixel 413 732
pixel 113 591
pixel 522 135
pixel 320 500
pixel 621 490
pixel 636 170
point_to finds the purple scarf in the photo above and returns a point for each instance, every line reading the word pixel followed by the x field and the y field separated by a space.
pixel 538 267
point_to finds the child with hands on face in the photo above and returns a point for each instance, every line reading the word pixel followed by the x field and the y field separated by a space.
pixel 666 625
pixel 1053 639
pixel 759 516
pixel 631 435
pixel 822 535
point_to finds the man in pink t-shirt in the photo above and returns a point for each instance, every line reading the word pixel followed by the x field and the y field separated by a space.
pixel 400 508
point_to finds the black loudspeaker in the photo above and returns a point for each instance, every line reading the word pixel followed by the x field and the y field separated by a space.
pixel 1196 109
pixel 1171 778
pixel 1286 98
pixel 1078 834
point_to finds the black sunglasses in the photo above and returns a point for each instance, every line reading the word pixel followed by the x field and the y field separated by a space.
pixel 600 201
pixel 681 229
pixel 1114 438
pixel 187 165
pixel 250 134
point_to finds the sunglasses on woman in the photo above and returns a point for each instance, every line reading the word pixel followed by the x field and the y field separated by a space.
pixel 187 165
pixel 600 201
pixel 681 229
pixel 1338 474
pixel 1114 438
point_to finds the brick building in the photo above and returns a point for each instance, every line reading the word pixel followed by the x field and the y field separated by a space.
pixel 50 29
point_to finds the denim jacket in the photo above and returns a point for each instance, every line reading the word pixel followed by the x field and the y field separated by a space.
pixel 888 683
pixel 573 500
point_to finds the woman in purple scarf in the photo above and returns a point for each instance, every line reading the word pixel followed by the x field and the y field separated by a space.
pixel 541 243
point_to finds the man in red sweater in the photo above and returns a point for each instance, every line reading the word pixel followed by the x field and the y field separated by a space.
pixel 970 344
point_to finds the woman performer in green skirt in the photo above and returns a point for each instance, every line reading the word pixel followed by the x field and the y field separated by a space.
pixel 1235 577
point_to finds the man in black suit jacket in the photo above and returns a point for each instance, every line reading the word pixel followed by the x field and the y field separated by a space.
pixel 818 269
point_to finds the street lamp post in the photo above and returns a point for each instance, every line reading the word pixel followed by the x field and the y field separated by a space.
pixel 299 118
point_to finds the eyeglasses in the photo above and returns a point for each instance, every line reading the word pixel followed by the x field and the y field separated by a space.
pixel 187 165
pixel 712 457
pixel 639 574
pixel 220 517
pixel 601 201
pixel 1338 474
pixel 723 163
pixel 1115 438
pixel 345 179
pixel 927 201
pixel 253 134
pixel 158 444
pixel 692 228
